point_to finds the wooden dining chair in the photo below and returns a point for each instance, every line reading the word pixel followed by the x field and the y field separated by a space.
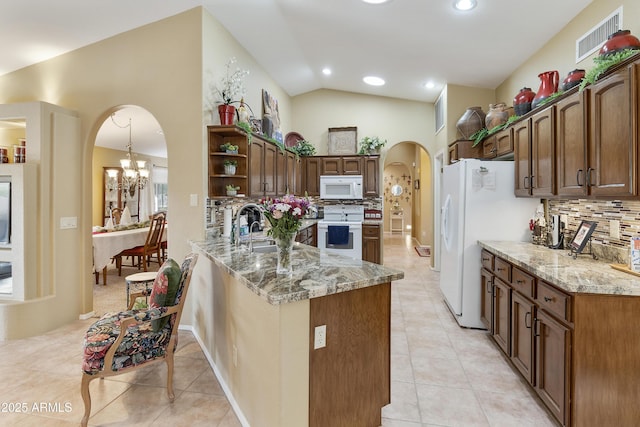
pixel 122 342
pixel 152 246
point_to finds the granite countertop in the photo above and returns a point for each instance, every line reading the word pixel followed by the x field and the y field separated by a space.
pixel 314 274
pixel 583 275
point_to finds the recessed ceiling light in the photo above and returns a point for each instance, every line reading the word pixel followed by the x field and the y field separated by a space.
pixel 326 71
pixel 465 5
pixel 429 85
pixel 373 81
pixel 375 1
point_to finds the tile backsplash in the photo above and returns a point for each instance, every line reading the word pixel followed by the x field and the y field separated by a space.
pixel 602 212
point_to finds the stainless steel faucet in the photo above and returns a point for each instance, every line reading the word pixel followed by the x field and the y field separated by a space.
pixel 236 235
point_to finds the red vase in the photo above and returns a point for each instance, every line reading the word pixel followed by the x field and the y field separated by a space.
pixel 618 41
pixel 549 81
pixel 573 79
pixel 522 101
pixel 226 112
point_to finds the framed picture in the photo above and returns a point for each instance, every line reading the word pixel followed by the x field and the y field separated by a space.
pixel 343 140
pixel 581 237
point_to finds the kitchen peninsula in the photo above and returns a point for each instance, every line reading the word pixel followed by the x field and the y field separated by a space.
pixel 259 331
pixel 568 326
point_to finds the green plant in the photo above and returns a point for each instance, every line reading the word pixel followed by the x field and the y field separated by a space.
pixel 603 63
pixel 247 128
pixel 227 146
pixel 550 98
pixel 484 132
pixel 369 144
pixel 230 163
pixel 304 148
pixel 232 187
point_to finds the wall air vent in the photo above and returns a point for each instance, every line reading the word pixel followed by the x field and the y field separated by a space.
pixel 593 39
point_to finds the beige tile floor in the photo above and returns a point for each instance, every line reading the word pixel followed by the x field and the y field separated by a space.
pixel 442 375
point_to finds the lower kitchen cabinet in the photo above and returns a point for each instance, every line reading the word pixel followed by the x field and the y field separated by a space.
pixel 501 315
pixel 486 298
pixel 308 236
pixel 372 243
pixel 522 318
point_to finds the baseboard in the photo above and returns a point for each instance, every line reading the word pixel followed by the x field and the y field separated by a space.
pixel 216 372
pixel 86 316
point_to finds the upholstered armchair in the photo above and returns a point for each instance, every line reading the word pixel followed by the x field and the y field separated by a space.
pixel 123 342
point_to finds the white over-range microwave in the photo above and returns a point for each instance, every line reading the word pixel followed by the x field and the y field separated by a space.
pixel 341 187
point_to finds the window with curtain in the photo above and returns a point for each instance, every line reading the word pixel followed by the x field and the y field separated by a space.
pixel 160 188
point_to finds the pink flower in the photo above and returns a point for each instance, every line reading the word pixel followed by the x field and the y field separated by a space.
pixel 277 214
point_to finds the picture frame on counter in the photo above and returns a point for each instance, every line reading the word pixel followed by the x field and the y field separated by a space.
pixel 582 236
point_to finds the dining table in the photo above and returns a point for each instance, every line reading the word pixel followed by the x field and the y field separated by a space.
pixel 108 244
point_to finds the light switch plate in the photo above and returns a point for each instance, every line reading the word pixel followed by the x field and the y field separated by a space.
pixel 193 199
pixel 320 337
pixel 67 222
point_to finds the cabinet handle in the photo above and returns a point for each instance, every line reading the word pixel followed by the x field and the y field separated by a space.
pixel 526 182
pixel 489 287
pixel 536 333
pixel 493 150
pixel 500 268
pixel 533 185
pixel 485 259
pixel 578 177
pixel 547 299
pixel 527 316
pixel 589 170
pixel 520 282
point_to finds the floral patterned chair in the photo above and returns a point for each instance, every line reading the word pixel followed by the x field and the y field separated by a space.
pixel 123 342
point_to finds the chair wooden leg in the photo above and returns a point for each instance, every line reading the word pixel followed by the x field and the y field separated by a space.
pixel 104 276
pixel 86 397
pixel 119 265
pixel 97 274
pixel 169 360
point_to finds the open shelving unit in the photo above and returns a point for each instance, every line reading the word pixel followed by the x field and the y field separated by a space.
pixel 218 180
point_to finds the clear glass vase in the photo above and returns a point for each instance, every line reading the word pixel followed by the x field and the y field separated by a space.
pixel 284 251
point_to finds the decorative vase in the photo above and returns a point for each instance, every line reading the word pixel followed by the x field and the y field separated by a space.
pixel 471 122
pixel 548 85
pixel 229 170
pixel 232 193
pixel 573 79
pixel 522 101
pixel 284 251
pixel 619 41
pixel 497 115
pixel 226 112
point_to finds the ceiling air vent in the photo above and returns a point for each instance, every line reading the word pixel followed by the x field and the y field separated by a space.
pixel 594 38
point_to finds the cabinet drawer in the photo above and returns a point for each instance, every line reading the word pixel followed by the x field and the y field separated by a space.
pixel 503 269
pixel 522 282
pixel 371 230
pixel 554 301
pixel 486 258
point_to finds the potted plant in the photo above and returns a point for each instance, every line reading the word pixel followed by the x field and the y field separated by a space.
pixel 232 190
pixel 230 167
pixel 229 148
pixel 371 145
pixel 304 148
pixel 230 89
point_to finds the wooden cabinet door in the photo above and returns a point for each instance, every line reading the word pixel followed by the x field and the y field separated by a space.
pixel 311 175
pixel 371 243
pixel 486 298
pixel 298 185
pixel 271 157
pixel 501 314
pixel 571 158
pixel 331 165
pixel 352 165
pixel 489 148
pixel 281 173
pixel 542 178
pixel 612 137
pixel 553 358
pixel 256 168
pixel 504 142
pixel 453 153
pixel 371 176
pixel 522 316
pixel 522 157
pixel 291 173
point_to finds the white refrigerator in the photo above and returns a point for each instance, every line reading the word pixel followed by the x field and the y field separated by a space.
pixel 478 203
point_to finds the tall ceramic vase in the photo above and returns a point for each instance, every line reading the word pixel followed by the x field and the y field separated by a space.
pixel 549 81
pixel 284 251
pixel 497 115
pixel 226 112
pixel 471 121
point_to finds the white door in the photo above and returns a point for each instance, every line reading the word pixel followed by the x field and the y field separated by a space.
pixel 452 233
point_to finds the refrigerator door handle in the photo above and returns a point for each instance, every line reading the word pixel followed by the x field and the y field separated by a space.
pixel 446 223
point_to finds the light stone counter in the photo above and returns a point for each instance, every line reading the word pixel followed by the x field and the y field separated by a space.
pixel 582 275
pixel 314 274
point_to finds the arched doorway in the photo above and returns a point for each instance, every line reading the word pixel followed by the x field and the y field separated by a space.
pixel 408 170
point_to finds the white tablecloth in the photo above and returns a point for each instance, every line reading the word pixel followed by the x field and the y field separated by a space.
pixel 107 245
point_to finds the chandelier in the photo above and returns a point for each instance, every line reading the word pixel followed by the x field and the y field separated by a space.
pixel 135 175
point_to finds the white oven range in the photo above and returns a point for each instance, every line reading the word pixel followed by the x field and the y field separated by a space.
pixel 341 230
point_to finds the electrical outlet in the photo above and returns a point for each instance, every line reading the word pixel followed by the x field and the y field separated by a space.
pixel 565 219
pixel 320 338
pixel 614 229
pixel 235 356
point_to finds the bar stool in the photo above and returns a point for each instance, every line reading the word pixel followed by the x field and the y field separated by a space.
pixel 138 279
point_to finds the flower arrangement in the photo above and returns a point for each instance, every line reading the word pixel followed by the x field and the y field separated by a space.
pixel 370 144
pixel 284 215
pixel 232 84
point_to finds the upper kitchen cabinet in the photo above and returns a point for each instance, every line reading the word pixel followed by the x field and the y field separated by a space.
pixel 217 176
pixel 571 145
pixel 341 165
pixel 311 176
pixel 534 144
pixel 371 176
pixel 613 134
pixel 263 160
